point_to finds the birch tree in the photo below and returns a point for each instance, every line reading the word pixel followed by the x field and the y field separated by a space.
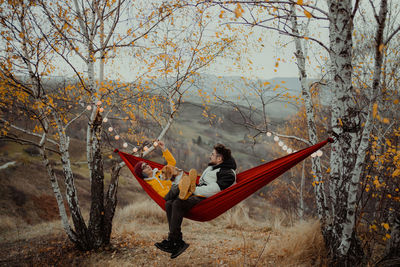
pixel 38 37
pixel 338 208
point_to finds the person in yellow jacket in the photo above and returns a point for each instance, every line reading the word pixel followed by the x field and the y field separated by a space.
pixel 152 176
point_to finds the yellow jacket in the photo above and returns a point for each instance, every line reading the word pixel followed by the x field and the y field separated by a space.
pixel 162 187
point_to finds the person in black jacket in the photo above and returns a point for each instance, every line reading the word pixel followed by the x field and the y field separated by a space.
pixel 219 174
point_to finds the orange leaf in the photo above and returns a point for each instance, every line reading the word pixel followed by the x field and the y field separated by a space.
pixel 308 14
pixel 299 2
pixel 238 10
pixel 375 110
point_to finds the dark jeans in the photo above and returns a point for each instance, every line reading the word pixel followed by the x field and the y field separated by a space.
pixel 176 208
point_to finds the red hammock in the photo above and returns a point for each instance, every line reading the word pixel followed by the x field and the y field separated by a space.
pixel 247 183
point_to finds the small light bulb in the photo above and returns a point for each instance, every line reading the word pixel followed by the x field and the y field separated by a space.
pixel 105 120
pixel 110 129
pixel 89 107
pixel 319 153
pixel 280 143
pixel 284 148
pixel 116 137
pixel 125 145
pixel 101 109
pixel 145 148
pixel 269 134
pixel 289 150
pixel 155 143
pixel 134 149
pixel 313 155
pixel 276 138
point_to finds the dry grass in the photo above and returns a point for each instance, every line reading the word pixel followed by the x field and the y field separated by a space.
pixel 300 245
pixel 142 212
pixel 233 239
pixel 22 231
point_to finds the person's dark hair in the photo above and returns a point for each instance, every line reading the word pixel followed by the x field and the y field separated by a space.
pixel 223 151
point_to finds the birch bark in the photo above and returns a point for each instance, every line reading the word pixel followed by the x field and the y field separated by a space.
pixel 345 122
pixel 41 96
pixel 312 130
pixel 349 224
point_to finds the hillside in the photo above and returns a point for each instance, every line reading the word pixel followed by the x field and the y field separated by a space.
pixel 29 214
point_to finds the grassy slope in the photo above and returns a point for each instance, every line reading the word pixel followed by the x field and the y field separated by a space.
pixel 233 239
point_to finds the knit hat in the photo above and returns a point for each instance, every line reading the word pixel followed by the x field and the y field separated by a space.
pixel 138 169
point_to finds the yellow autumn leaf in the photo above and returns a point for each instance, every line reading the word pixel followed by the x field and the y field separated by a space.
pixel 385 225
pixel 308 14
pixel 375 110
pixel 396 173
pixel 299 2
pixel 381 46
pixel 387 236
pixel 386 120
pixel 396 101
pixel 238 10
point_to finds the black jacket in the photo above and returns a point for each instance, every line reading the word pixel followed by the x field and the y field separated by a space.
pixel 226 175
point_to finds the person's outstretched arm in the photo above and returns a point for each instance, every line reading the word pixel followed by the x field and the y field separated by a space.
pixel 167 154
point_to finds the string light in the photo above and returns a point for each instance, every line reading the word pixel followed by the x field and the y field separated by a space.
pixel 155 143
pixel 105 120
pixel 116 137
pixel 145 148
pixel 89 107
pixel 110 129
pixel 134 149
pixel 318 153
pixel 101 109
pixel 125 145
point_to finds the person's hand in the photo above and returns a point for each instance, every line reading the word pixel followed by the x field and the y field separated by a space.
pixel 161 145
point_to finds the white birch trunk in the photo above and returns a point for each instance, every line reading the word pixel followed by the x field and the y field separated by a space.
pixel 312 131
pixel 354 185
pixel 345 122
pixel 57 192
pixel 45 123
pixel 71 193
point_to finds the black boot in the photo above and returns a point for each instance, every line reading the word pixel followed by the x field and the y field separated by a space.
pixel 179 246
pixel 166 245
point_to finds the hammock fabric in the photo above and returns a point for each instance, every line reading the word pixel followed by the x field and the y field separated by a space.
pixel 247 183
